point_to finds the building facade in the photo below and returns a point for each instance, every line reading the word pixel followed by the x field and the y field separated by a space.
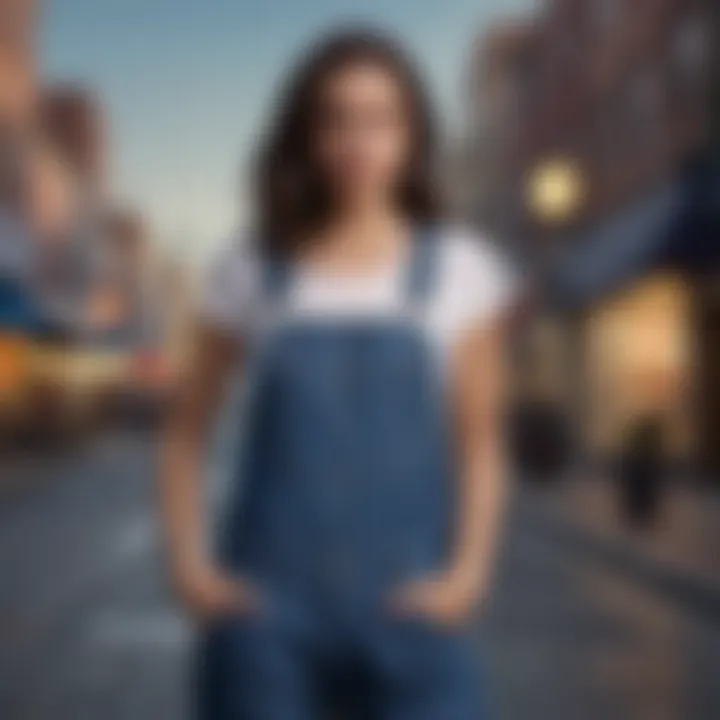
pixel 500 92
pixel 613 104
pixel 17 60
pixel 72 118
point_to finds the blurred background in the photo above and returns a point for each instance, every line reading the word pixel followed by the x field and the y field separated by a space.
pixel 584 135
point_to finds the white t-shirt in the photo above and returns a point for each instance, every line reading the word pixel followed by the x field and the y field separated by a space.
pixel 471 286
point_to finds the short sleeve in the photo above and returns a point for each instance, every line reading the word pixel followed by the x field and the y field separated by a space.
pixel 229 294
pixel 478 283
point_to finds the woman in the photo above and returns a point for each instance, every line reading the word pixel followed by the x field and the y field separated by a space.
pixel 371 465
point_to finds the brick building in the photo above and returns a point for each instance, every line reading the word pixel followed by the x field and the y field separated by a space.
pixel 599 121
pixel 619 89
pixel 500 91
pixel 17 60
pixel 17 91
pixel 72 118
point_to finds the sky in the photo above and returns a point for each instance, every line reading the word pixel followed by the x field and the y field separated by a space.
pixel 187 84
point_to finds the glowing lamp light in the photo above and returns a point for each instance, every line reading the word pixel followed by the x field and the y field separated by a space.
pixel 13 364
pixel 556 190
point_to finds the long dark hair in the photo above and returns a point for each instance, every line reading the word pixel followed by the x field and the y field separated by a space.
pixel 292 197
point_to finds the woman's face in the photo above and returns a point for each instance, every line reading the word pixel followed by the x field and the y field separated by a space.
pixel 363 137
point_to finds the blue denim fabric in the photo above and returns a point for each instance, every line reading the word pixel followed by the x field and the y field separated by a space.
pixel 347 492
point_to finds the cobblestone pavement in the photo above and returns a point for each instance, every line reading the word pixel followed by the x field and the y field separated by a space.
pixel 87 630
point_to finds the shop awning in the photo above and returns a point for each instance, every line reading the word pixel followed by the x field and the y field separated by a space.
pixel 619 248
pixel 697 241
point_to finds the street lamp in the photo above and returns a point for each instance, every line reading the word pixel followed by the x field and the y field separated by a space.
pixel 556 190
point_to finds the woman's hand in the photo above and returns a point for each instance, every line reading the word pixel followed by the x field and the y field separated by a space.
pixel 209 593
pixel 446 600
pixel 204 589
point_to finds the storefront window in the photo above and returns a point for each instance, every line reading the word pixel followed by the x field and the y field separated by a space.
pixel 639 364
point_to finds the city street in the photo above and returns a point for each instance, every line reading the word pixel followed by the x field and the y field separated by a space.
pixel 88 631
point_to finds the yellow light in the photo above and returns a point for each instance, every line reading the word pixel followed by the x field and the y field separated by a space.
pixel 13 363
pixel 556 190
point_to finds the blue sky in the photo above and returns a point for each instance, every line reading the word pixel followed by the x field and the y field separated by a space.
pixel 187 84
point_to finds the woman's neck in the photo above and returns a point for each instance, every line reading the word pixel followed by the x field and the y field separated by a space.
pixel 359 241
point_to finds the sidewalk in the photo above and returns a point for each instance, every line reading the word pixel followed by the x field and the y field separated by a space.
pixel 680 555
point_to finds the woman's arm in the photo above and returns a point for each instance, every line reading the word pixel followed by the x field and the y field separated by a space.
pixel 477 392
pixel 478 401
pixel 201 586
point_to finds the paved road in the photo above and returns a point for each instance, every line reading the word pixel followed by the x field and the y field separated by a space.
pixel 86 629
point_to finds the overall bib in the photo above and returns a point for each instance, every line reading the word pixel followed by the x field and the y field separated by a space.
pixel 346 491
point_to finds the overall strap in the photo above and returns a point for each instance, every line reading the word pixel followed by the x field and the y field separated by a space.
pixel 276 278
pixel 422 270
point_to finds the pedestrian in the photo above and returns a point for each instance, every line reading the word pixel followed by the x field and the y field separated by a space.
pixel 541 440
pixel 362 523
pixel 641 472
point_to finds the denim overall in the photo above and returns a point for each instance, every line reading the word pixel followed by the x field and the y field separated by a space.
pixel 346 487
